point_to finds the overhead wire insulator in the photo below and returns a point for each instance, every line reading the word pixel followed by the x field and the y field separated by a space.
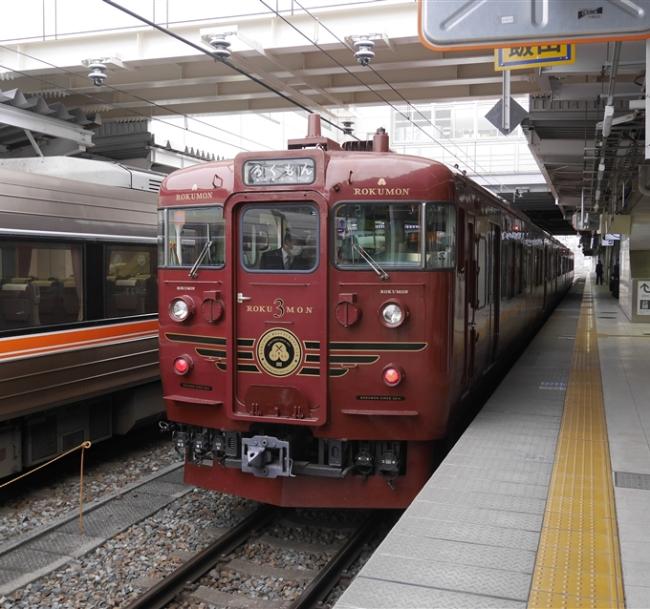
pixel 364 51
pixel 221 46
pixel 97 73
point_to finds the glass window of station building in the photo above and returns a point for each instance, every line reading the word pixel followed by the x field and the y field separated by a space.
pixel 463 131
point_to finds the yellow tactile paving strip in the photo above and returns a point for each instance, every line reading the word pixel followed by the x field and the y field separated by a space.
pixel 578 561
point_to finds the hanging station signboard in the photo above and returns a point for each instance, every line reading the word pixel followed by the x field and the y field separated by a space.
pixel 483 24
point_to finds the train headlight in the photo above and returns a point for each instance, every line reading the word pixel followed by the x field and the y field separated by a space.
pixel 180 309
pixel 182 365
pixel 392 315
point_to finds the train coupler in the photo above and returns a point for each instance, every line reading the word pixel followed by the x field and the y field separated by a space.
pixel 266 457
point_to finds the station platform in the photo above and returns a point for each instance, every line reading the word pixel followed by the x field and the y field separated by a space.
pixel 545 499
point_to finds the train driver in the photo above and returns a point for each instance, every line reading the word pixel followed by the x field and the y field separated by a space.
pixel 287 257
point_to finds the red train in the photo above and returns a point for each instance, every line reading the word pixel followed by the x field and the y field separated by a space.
pixel 325 309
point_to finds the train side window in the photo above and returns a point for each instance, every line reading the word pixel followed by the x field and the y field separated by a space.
pixel 279 237
pixel 130 281
pixel 482 273
pixel 187 231
pixel 519 266
pixel 441 233
pixel 505 250
pixel 40 284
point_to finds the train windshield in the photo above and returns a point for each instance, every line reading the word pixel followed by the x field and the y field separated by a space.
pixel 395 235
pixel 279 237
pixel 191 234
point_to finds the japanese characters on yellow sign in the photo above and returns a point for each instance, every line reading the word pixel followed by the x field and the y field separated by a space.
pixel 534 56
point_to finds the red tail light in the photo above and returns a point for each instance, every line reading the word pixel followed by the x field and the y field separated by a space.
pixel 182 365
pixel 393 375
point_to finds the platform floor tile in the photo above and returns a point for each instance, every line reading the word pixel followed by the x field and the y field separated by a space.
pixel 498 583
pixel 488 535
pixel 538 449
pixel 520 464
pixel 501 518
pixel 379 594
pixel 516 474
pixel 637 596
pixel 474 554
pixel 457 481
pixel 484 499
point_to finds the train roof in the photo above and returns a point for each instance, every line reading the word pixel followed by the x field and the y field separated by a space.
pixel 33 205
pixel 342 165
pixel 365 166
pixel 88 170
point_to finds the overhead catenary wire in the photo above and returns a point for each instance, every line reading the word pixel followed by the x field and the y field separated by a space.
pixel 205 51
pixel 387 83
pixel 279 93
pixel 134 95
pixel 104 102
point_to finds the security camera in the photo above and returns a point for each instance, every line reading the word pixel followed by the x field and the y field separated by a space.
pixel 364 51
pixel 97 73
pixel 221 46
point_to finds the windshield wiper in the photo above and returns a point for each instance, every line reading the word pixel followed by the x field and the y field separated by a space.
pixel 194 271
pixel 374 265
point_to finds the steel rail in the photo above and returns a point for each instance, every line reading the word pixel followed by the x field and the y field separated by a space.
pixel 330 574
pixel 166 590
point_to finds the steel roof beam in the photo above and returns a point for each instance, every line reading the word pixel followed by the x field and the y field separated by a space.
pixel 54 127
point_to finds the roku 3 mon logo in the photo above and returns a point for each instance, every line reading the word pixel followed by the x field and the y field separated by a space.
pixel 281 309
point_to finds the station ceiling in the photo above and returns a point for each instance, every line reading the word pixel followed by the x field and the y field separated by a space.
pixel 308 60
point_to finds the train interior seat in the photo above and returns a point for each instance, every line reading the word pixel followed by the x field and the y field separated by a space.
pixel 49 297
pixel 71 304
pixel 130 295
pixel 18 305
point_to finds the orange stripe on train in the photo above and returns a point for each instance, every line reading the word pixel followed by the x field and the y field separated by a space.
pixel 67 338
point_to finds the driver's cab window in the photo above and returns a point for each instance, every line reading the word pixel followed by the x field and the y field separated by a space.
pixel 279 238
pixel 193 234
pixel 387 235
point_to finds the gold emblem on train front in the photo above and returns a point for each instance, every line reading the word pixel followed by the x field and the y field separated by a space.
pixel 279 352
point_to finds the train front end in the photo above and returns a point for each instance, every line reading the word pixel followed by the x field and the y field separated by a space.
pixel 305 323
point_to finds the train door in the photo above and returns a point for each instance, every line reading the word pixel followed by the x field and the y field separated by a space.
pixel 495 273
pixel 471 335
pixel 277 346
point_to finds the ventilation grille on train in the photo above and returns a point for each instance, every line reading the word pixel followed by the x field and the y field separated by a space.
pixel 155 184
pixel 358 146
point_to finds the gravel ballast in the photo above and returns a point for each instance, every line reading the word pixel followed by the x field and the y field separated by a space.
pixel 38 507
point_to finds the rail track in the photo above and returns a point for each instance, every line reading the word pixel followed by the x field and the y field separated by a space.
pixel 219 555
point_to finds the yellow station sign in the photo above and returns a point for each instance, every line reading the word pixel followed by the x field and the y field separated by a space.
pixel 534 56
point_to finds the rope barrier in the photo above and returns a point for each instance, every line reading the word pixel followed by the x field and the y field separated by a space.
pixel 82 447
